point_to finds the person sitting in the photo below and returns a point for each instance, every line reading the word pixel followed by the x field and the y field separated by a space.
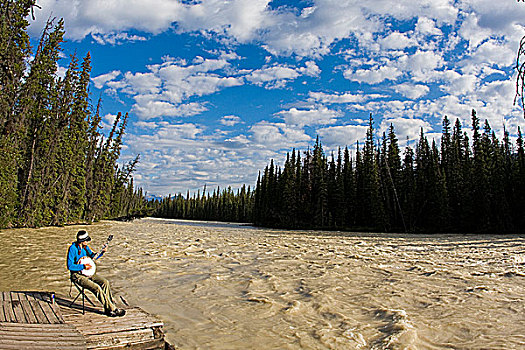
pixel 98 285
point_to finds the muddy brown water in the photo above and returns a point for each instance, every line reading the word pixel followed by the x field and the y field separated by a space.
pixel 234 287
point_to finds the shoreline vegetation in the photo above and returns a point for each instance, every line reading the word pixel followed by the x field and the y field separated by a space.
pixel 456 188
pixel 56 166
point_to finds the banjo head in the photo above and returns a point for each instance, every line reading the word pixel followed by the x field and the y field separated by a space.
pixel 87 260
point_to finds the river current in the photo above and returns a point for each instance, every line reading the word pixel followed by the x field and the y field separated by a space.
pixel 219 286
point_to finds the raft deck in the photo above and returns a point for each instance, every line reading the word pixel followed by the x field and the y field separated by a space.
pixel 39 320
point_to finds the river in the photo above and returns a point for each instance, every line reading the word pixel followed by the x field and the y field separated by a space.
pixel 221 286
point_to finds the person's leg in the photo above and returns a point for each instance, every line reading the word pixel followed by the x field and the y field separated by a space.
pixel 96 289
pixel 104 284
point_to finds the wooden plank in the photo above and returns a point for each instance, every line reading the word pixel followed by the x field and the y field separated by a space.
pixel 9 313
pixel 28 328
pixel 21 295
pixel 18 311
pixel 119 338
pixel 130 320
pixel 2 312
pixel 51 312
pixel 154 344
pixel 39 347
pixel 40 336
pixel 49 337
pixel 56 312
pixel 28 311
pixel 39 312
pixel 111 327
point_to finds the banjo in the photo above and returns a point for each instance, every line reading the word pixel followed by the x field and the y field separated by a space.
pixel 87 260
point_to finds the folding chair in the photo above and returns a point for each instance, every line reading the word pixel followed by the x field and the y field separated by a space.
pixel 81 291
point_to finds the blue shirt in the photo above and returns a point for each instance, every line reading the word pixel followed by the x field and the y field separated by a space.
pixel 74 254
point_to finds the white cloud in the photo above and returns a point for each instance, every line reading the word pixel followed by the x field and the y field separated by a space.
pixel 311 69
pixel 313 116
pixel 148 107
pixel 103 79
pixel 83 18
pixel 278 136
pixel 346 97
pixel 421 64
pixel 146 125
pixel 230 120
pixel 276 74
pixel 492 52
pixel 186 131
pixel 342 135
pixel 412 91
pixel 427 26
pixel 116 38
pixel 374 75
pixel 164 89
pixel 143 83
pixel 458 84
pixel 396 40
pixel 282 31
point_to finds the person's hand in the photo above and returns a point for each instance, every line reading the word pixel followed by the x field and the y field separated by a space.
pixel 87 266
pixel 104 250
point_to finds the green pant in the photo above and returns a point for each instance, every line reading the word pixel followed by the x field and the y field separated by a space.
pixel 97 285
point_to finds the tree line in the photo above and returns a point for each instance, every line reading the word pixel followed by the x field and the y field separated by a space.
pixel 56 166
pixel 225 205
pixel 461 186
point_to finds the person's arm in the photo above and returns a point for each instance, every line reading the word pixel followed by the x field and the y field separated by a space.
pixel 90 253
pixel 72 260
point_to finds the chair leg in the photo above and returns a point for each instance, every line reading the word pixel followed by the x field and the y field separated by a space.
pixel 81 291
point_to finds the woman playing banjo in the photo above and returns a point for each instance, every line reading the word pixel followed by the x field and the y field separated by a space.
pixel 82 270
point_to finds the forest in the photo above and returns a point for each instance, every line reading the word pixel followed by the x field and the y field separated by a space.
pixel 453 188
pixel 225 205
pixel 56 165
pixel 461 186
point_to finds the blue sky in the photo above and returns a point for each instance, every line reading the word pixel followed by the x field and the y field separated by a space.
pixel 217 88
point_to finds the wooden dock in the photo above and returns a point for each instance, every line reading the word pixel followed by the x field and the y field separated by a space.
pixel 41 320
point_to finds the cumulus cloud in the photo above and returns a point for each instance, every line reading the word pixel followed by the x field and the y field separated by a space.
pixel 230 120
pixel 310 32
pixel 182 156
pixel 102 79
pixel 373 75
pixel 165 88
pixel 346 97
pixel 117 38
pixel 278 136
pixel 313 116
pixel 427 26
pixel 412 91
pixel 397 40
pixel 457 83
pixel 342 135
pixel 83 18
pixel 277 76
